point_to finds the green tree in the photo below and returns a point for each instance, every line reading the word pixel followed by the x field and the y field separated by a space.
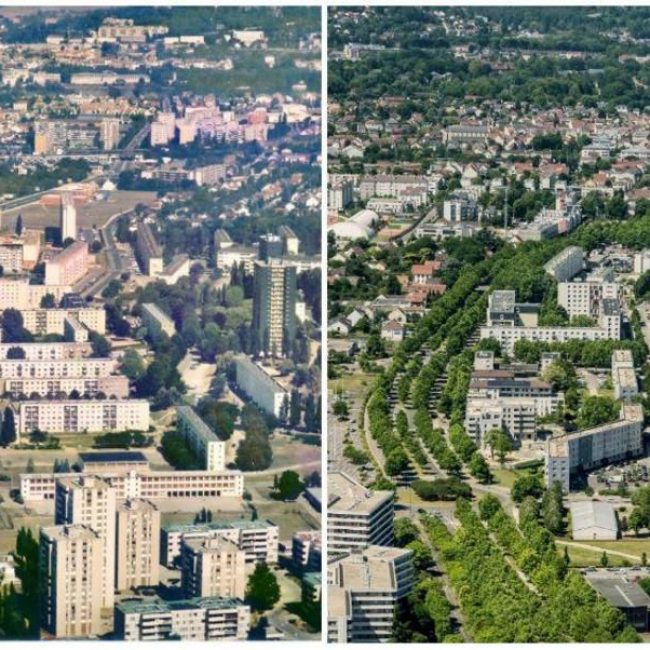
pixel 289 486
pixel 263 590
pixel 8 430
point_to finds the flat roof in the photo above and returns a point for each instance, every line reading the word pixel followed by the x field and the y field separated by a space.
pixel 346 495
pixel 112 457
pixel 619 592
pixel 218 525
pixel 588 514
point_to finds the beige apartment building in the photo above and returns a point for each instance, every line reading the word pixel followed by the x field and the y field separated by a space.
pixel 47 351
pixel 52 321
pixel 145 484
pixel 71 264
pixel 156 320
pixel 75 416
pixel 364 591
pixel 19 294
pixel 150 254
pixel 356 516
pixel 258 539
pixel 71 572
pixel 56 368
pixel 90 501
pixel 138 544
pixel 113 387
pixel 196 619
pixel 213 567
pixel 201 438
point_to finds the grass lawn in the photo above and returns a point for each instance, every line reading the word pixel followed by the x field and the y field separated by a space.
pixel 505 477
pixel 353 384
pixel 627 545
pixel 581 557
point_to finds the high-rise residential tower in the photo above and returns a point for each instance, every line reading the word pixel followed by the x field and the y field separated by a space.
pixel 68 218
pixel 274 307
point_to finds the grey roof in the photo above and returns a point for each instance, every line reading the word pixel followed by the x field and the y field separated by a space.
pixel 587 514
pixel 112 457
pixel 245 524
pixel 503 301
pixel 619 592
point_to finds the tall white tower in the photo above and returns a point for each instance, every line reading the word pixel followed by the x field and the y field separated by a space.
pixel 68 218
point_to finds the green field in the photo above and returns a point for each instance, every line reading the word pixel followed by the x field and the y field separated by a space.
pixel 581 557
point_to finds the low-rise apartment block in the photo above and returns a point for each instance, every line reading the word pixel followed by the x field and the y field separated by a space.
pixel 261 387
pixel 113 387
pixel 307 551
pixel 56 368
pixel 148 250
pixel 145 483
pixel 53 321
pixel 586 450
pixel 74 416
pixel 156 320
pixel 258 539
pixel 204 442
pixel 46 351
pixel 20 294
pixel 623 375
pixel 197 619
pixel 566 264
pixel 356 516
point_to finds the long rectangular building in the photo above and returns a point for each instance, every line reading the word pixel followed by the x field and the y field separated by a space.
pixel 69 266
pixel 113 387
pixel 196 619
pixel 258 539
pixel 46 351
pixel 261 387
pixel 57 369
pixel 586 450
pixel 20 294
pixel 92 416
pixel 52 321
pixel 201 438
pixel 145 484
pixel 150 254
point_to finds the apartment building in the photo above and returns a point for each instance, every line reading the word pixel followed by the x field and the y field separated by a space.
pixel 364 591
pixel 356 516
pixel 156 320
pixel 56 368
pixel 642 261
pixel 148 250
pixel 585 298
pixel 339 195
pixel 90 501
pixel 146 484
pixel 113 387
pixel 261 387
pixel 235 255
pixel 212 567
pixel 11 254
pixel 509 322
pixel 274 306
pixel 70 265
pixel 75 416
pixel 258 539
pixel 566 264
pixel 53 321
pixel 46 351
pixel 109 134
pixel 307 551
pixel 196 619
pixel 137 544
pixel 623 375
pixel 591 448
pixel 20 294
pixel 71 572
pixel 203 441
pixel 68 218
